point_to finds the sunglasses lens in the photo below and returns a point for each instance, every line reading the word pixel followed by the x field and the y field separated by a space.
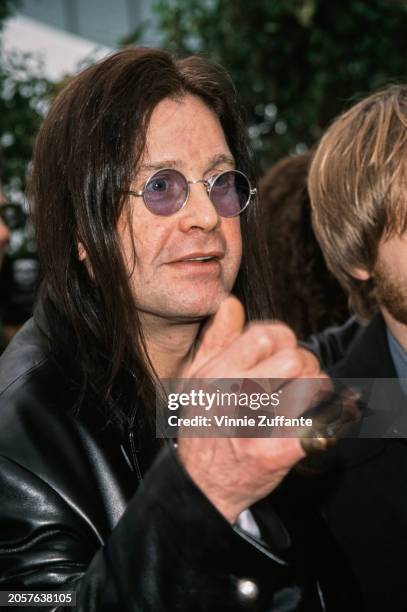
pixel 230 193
pixel 166 192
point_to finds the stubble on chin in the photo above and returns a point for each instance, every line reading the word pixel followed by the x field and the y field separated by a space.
pixel 391 292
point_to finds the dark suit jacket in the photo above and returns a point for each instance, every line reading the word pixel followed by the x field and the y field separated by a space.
pixel 365 492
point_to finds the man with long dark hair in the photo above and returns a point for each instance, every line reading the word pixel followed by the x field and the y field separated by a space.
pixel 146 221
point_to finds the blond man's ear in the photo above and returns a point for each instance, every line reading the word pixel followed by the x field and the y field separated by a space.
pixel 361 274
pixel 82 254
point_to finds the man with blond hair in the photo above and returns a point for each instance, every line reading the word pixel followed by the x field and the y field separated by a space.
pixel 358 187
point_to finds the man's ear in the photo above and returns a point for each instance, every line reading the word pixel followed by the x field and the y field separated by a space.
pixel 361 274
pixel 82 254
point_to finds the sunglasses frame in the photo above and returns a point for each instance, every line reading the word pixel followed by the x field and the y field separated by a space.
pixel 208 183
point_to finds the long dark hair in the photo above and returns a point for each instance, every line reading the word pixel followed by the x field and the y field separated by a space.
pixel 85 158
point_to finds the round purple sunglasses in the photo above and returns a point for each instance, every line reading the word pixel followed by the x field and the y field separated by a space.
pixel 167 191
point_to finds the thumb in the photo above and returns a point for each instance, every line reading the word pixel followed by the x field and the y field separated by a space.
pixel 221 329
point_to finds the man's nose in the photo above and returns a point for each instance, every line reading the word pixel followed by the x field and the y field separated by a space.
pixel 199 212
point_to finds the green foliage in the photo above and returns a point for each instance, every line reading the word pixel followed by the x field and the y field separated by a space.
pixel 7 8
pixel 296 63
pixel 23 99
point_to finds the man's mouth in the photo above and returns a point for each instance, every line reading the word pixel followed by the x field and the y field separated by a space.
pixel 208 258
pixel 199 257
pixel 198 263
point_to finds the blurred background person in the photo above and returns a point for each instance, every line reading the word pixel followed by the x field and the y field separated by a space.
pixel 19 267
pixel 306 295
pixel 4 231
pixel 4 238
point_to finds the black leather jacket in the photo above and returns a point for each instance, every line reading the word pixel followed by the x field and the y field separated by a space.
pixel 77 513
pixel 332 344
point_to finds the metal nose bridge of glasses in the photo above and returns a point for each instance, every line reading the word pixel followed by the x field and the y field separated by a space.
pixel 208 184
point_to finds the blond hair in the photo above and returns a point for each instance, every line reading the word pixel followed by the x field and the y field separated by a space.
pixel 358 189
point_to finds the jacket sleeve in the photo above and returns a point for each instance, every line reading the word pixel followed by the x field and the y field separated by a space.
pixel 332 344
pixel 170 551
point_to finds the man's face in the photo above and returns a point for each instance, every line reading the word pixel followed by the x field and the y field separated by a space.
pixel 187 136
pixel 390 276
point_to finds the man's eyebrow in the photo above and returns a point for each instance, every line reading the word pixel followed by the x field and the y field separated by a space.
pixel 220 159
pixel 177 163
pixel 165 163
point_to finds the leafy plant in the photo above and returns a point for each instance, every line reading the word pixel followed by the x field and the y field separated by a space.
pixel 296 63
pixel 24 95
